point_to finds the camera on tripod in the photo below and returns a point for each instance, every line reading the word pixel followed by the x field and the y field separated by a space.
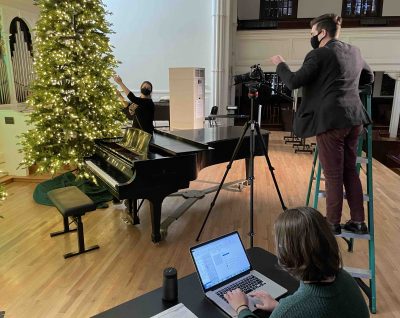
pixel 255 77
pixel 269 81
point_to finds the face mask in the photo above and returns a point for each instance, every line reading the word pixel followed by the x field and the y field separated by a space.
pixel 315 42
pixel 145 91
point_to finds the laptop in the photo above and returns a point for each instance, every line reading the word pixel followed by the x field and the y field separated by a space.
pixel 222 265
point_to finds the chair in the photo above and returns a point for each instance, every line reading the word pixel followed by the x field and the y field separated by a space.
pixel 212 120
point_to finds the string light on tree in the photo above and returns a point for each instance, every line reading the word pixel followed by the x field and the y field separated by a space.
pixel 3 193
pixel 72 98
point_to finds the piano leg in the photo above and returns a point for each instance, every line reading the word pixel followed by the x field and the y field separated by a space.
pixel 155 211
pixel 133 211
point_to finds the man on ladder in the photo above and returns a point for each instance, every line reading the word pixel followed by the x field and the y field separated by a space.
pixel 332 111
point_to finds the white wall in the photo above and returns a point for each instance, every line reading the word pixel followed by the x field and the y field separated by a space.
pixel 9 147
pixel 313 8
pixel 153 35
pixel 248 9
pixel 379 47
pixel 391 8
pixel 25 5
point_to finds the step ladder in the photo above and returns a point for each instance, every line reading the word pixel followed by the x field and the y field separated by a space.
pixel 365 142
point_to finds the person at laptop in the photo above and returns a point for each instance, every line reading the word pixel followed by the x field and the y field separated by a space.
pixel 141 111
pixel 307 249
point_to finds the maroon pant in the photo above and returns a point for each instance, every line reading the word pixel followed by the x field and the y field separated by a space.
pixel 337 150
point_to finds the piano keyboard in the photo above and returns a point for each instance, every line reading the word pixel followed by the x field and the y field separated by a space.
pixel 107 178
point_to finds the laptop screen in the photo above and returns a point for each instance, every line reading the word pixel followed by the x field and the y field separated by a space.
pixel 219 260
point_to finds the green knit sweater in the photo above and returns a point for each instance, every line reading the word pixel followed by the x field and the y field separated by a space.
pixel 340 299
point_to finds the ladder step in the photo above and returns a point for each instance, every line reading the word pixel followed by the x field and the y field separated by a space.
pixel 322 194
pixel 346 234
pixel 358 272
pixel 362 160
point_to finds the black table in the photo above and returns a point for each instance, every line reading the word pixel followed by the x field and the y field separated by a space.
pixel 191 294
pixel 211 117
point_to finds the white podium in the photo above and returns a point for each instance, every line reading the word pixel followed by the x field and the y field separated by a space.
pixel 187 94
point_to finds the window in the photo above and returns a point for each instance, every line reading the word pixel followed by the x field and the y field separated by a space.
pixel 362 8
pixel 388 84
pixel 278 9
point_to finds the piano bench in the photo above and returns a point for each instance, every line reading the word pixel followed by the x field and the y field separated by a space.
pixel 73 203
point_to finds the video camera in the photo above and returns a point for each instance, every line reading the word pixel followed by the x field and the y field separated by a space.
pixel 256 76
pixel 268 81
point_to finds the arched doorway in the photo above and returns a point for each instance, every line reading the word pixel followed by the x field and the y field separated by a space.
pixel 21 57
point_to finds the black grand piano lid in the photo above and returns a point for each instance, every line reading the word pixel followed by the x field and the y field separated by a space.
pixel 207 136
pixel 175 145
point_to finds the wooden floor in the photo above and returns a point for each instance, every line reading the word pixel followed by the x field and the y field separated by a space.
pixel 36 281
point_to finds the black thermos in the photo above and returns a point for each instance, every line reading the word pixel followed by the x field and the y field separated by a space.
pixel 170 284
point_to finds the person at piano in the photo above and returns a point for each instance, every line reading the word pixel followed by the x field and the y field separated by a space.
pixel 141 109
pixel 308 251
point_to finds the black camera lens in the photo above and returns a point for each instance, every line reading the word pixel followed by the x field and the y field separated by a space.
pixel 256 75
pixel 242 78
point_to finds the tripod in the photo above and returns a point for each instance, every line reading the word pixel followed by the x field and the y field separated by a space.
pixel 254 126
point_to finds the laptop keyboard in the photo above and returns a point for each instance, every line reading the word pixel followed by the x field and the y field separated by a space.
pixel 246 285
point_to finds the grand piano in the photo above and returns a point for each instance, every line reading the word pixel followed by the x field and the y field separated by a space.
pixel 173 159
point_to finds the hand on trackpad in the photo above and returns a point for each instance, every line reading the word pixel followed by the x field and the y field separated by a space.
pixel 261 300
pixel 253 301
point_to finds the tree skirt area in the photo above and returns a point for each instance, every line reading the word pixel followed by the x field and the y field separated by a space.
pixel 97 193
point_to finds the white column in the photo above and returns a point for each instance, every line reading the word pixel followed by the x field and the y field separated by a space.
pixel 218 48
pixel 394 119
pixel 232 47
pixel 222 51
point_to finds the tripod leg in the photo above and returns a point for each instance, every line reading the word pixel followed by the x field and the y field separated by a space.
pixel 251 183
pixel 271 168
pixel 228 167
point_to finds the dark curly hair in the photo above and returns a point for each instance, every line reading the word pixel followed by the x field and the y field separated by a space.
pixel 306 246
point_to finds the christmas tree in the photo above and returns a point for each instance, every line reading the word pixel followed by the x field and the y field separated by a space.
pixel 3 193
pixel 72 98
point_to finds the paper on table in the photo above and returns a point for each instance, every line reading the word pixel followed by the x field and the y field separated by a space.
pixel 178 311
